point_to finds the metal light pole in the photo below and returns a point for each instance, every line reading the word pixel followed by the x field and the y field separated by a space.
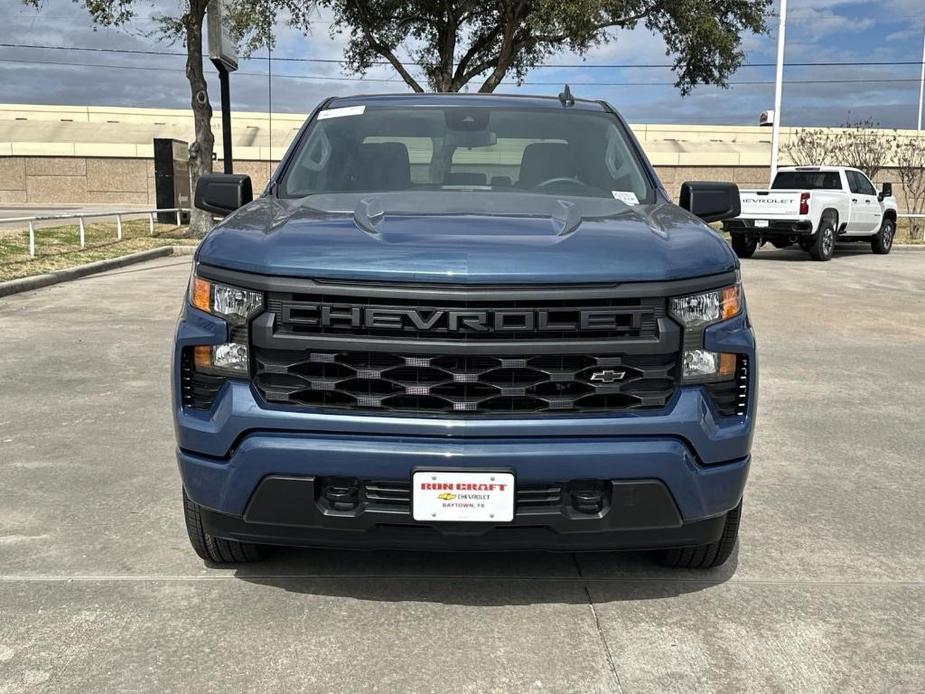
pixel 227 158
pixel 778 85
pixel 223 53
pixel 918 122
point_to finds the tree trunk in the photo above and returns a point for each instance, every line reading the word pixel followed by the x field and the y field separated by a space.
pixel 506 53
pixel 201 150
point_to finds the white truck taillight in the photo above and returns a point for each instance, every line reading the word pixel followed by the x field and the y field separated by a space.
pixel 804 203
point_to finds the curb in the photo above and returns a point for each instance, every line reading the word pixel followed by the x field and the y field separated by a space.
pixel 909 246
pixel 26 284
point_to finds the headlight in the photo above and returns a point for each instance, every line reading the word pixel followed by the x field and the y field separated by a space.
pixel 233 304
pixel 701 366
pixel 697 310
pixel 230 359
pixel 237 306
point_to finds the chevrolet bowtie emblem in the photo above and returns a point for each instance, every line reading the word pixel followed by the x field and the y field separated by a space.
pixel 607 376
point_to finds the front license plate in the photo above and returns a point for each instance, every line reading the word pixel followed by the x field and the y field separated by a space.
pixel 463 496
pixel 761 223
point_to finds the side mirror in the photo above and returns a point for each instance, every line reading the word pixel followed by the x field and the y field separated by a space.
pixel 887 191
pixel 222 194
pixel 712 202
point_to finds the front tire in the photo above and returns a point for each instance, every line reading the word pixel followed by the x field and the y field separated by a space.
pixel 710 555
pixel 744 245
pixel 214 549
pixel 823 247
pixel 882 243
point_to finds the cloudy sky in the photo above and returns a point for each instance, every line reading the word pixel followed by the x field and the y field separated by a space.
pixel 829 31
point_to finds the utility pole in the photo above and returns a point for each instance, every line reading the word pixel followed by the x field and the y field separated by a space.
pixel 778 85
pixel 918 122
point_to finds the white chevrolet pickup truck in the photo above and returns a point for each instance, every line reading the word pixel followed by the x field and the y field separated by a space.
pixel 814 206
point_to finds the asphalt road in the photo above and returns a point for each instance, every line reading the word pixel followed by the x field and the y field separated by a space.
pixel 99 590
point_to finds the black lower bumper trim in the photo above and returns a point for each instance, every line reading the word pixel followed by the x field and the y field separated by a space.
pixel 416 536
pixel 635 514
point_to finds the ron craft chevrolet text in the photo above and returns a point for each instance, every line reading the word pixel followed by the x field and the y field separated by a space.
pixel 464 322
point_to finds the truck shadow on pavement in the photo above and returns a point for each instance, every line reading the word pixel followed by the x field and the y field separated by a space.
pixel 478 579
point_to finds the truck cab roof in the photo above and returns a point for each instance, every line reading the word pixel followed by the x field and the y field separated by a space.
pixel 817 168
pixel 458 99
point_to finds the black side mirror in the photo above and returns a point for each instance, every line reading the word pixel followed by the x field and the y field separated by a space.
pixel 710 201
pixel 887 191
pixel 222 194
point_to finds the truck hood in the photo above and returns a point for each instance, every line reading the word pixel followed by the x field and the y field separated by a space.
pixel 517 238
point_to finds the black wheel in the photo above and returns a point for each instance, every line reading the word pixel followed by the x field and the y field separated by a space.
pixel 214 549
pixel 707 556
pixel 823 247
pixel 744 245
pixel 882 243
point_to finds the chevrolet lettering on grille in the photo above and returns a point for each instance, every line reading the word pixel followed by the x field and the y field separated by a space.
pixel 446 320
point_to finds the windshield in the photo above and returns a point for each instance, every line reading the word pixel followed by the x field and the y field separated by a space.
pixel 464 148
pixel 807 180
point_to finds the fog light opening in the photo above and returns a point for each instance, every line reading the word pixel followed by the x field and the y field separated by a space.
pixel 587 498
pixel 342 495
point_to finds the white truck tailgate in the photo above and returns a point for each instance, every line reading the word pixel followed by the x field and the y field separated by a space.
pixel 769 204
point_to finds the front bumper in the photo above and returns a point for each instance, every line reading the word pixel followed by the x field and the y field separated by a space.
pixel 697 458
pixel 656 493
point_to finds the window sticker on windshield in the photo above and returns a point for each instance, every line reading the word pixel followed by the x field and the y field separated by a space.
pixel 339 112
pixel 624 196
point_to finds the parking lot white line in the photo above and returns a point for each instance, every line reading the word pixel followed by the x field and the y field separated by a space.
pixel 39 578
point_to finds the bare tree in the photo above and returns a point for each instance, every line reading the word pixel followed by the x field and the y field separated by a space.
pixel 811 147
pixel 865 146
pixel 861 145
pixel 909 156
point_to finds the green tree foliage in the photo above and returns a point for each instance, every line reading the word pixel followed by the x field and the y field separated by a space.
pixel 454 42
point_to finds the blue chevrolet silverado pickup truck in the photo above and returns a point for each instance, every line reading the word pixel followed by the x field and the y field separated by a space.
pixel 464 322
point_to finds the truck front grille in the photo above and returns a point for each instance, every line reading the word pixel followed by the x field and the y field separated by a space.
pixel 479 383
pixel 456 350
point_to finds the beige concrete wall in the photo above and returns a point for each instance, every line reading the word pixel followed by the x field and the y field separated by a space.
pixel 122 181
pixel 102 180
pixel 76 180
pixel 81 154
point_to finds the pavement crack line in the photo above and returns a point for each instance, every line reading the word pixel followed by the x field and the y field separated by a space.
pixel 597 625
pixel 585 580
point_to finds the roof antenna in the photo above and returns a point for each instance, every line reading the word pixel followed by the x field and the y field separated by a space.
pixel 566 98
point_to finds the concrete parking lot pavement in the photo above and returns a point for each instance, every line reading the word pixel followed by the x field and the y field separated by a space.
pixel 99 590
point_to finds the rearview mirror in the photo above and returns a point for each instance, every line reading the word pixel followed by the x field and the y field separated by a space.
pixel 887 191
pixel 222 194
pixel 710 201
pixel 472 138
